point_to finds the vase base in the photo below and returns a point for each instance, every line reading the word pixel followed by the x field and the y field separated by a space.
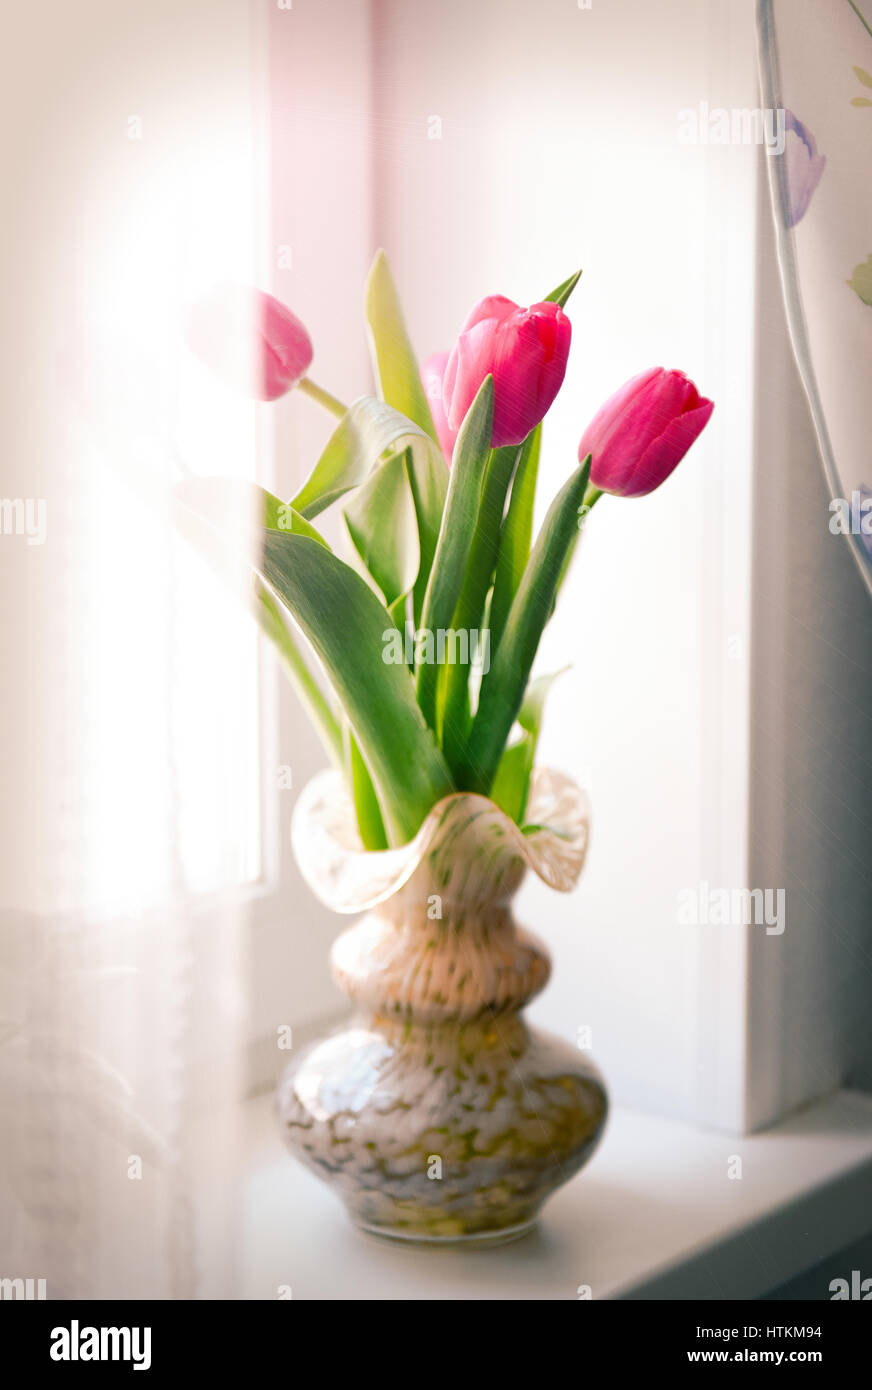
pixel 475 1240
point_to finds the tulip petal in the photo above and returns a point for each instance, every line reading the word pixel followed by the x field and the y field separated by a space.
pixel 516 369
pixel 532 347
pixel 250 340
pixel 432 376
pixel 665 452
pixel 643 430
pixel 616 425
pixel 468 365
pixel 495 307
pixel 553 369
pixel 287 347
pixel 525 350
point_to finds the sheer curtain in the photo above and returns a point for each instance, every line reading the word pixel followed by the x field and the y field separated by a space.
pixel 816 67
pixel 130 692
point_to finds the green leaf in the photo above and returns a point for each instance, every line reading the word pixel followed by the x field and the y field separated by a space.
pixel 311 697
pixel 864 76
pixel 369 431
pixel 396 367
pixel 455 536
pixel 231 503
pixel 202 514
pixel 533 705
pixel 383 527
pixel 509 789
pixel 345 625
pixel 861 280
pixel 503 687
pixel 452 720
pixel 397 610
pixel 511 786
pixel 860 101
pixel 280 516
pixel 515 536
pixel 589 501
pixel 370 824
pixel 428 476
pixel 348 630
pixel 591 497
pixel 562 293
pixel 369 437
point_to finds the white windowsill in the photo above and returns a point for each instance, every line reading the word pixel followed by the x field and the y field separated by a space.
pixel 654 1215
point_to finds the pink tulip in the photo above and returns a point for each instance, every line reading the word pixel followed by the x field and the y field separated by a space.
pixel 643 431
pixel 432 373
pixel 250 340
pixel 525 350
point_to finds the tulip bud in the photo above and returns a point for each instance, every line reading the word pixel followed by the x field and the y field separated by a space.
pixel 250 341
pixel 432 373
pixel 643 431
pixel 524 350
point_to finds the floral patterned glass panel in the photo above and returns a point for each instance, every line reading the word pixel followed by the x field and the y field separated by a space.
pixel 816 67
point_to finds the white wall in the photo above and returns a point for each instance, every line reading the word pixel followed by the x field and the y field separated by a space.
pixel 559 150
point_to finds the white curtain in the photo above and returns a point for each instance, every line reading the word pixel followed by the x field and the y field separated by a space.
pixel 816 68
pixel 130 803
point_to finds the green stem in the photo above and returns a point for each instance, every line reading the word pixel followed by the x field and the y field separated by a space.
pixel 456 536
pixel 515 536
pixel 480 566
pixel 860 17
pixel 502 689
pixel 370 823
pixel 590 499
pixel 317 393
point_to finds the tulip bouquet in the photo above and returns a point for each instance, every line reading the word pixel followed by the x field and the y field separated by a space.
pixel 427 627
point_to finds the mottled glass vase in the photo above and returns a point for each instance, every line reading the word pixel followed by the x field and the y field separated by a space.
pixel 438 1114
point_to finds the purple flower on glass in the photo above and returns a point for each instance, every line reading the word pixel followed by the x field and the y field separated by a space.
pixel 803 169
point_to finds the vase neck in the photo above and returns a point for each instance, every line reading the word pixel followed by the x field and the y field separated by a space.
pixel 432 959
pixel 470 866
